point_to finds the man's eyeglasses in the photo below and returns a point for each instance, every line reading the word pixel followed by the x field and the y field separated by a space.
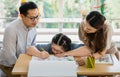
pixel 33 18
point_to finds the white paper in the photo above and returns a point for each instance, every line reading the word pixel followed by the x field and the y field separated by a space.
pixel 52 67
pixel 54 58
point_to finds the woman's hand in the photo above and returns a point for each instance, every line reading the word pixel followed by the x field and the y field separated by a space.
pixel 80 61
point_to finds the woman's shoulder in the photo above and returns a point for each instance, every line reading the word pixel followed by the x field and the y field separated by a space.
pixel 82 23
pixel 108 27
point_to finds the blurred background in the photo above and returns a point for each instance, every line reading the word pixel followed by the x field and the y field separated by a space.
pixel 62 16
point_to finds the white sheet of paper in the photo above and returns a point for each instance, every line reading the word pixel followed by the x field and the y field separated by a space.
pixel 54 58
pixel 52 67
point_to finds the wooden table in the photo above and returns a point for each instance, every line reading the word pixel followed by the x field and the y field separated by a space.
pixel 21 67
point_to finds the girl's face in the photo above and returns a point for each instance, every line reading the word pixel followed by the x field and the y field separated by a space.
pixel 56 49
pixel 88 29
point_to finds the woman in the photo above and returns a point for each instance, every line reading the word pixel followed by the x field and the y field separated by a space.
pixel 60 43
pixel 96 35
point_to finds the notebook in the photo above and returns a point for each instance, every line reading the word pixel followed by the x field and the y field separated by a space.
pixel 107 59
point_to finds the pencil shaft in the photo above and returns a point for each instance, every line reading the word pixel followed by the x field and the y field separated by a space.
pixel 42 49
pixel 91 62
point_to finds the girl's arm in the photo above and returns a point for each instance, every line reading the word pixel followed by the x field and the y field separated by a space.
pixel 33 51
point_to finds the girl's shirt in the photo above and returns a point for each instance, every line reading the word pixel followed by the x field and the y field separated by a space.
pixel 47 47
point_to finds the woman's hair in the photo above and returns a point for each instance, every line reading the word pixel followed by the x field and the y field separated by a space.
pixel 97 40
pixel 95 19
pixel 62 40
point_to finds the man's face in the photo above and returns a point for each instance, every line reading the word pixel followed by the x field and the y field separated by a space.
pixel 31 19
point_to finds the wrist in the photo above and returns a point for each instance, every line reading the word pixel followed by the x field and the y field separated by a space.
pixel 40 55
pixel 65 54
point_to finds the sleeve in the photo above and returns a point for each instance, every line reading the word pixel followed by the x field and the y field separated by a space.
pixel 80 32
pixel 47 47
pixel 8 53
pixel 34 39
pixel 109 36
pixel 38 46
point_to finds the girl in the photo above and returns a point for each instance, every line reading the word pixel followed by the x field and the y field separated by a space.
pixel 60 43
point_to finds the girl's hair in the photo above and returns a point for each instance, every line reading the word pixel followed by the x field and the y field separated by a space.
pixel 62 40
pixel 96 20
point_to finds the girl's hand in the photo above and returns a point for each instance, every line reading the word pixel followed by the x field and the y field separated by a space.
pixel 44 54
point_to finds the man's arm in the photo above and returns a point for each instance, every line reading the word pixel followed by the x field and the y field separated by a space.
pixel 9 47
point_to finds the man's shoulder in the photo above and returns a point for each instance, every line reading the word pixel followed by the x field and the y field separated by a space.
pixel 14 22
pixel 12 25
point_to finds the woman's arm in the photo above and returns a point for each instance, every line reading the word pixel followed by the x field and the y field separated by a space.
pixel 81 51
pixel 99 54
pixel 33 51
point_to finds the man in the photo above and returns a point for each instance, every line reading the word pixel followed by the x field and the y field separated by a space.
pixel 19 35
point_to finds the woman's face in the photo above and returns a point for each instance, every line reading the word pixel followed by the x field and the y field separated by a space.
pixel 88 29
pixel 56 49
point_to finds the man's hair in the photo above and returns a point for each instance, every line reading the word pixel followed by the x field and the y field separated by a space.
pixel 27 6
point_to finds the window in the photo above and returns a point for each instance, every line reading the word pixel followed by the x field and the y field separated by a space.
pixel 62 15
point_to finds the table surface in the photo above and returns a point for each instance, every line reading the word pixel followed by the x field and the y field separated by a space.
pixel 21 67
